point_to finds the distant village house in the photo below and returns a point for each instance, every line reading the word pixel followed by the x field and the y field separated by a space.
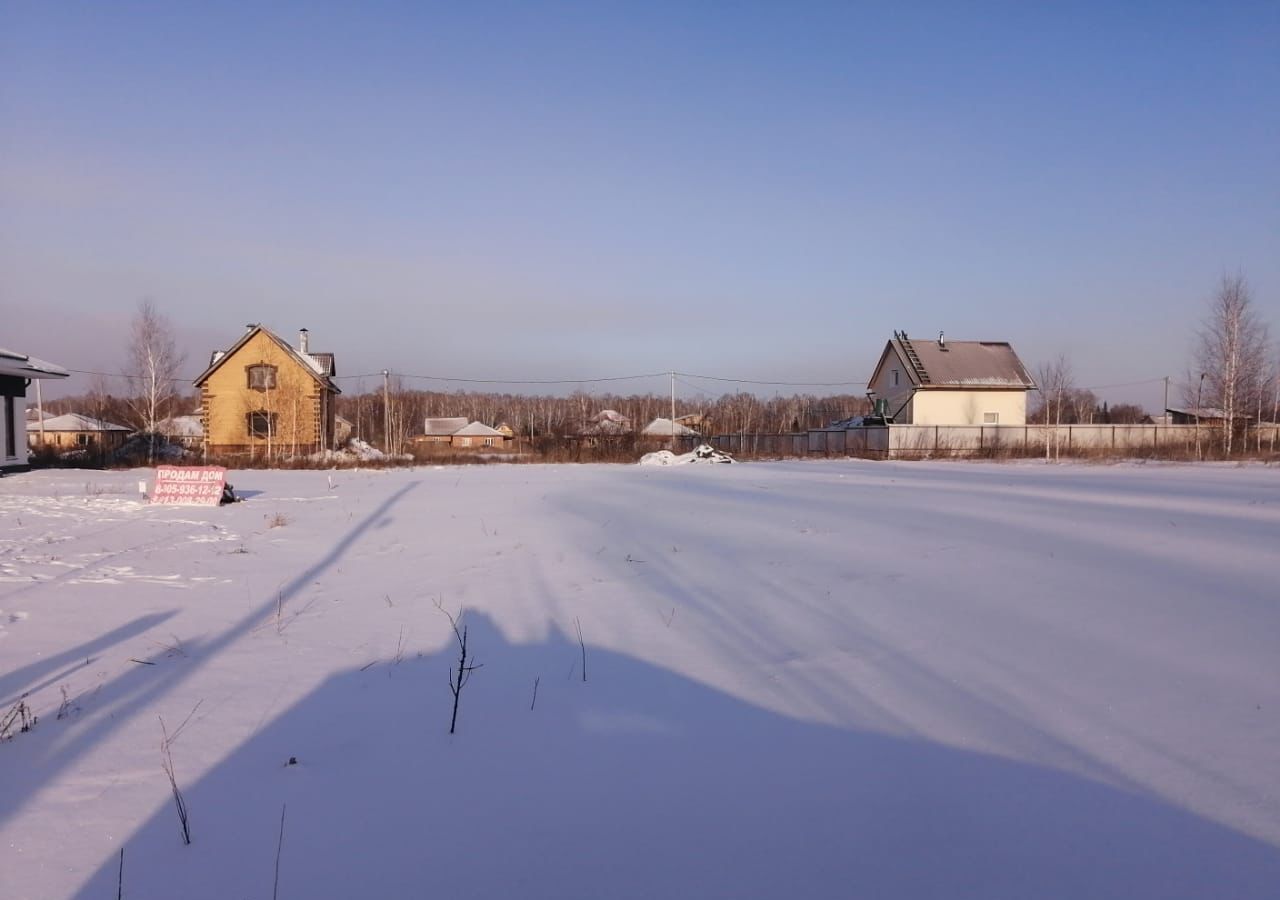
pixel 73 431
pixel 456 432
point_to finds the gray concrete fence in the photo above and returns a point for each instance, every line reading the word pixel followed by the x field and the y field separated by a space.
pixel 906 441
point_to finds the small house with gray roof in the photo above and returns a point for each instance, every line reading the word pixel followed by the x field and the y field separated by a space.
pixel 457 432
pixel 73 431
pixel 946 382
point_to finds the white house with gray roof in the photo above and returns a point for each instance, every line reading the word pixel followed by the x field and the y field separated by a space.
pixel 942 382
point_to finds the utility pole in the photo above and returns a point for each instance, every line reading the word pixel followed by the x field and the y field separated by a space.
pixel 1199 394
pixel 1165 412
pixel 386 411
pixel 39 411
pixel 673 412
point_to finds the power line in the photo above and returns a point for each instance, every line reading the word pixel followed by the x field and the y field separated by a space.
pixel 777 383
pixel 616 378
pixel 1103 387
pixel 123 375
pixel 530 381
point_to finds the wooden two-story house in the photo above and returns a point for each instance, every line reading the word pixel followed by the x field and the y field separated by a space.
pixel 265 399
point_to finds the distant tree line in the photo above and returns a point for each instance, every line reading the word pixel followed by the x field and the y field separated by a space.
pixel 546 416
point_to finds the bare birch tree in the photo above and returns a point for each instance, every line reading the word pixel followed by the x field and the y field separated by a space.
pixel 153 364
pixel 1232 353
pixel 1056 381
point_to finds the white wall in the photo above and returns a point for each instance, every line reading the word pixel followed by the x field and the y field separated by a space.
pixel 939 407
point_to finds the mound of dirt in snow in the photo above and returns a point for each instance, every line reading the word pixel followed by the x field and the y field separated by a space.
pixel 703 453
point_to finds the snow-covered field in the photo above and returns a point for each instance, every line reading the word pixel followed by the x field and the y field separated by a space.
pixel 810 679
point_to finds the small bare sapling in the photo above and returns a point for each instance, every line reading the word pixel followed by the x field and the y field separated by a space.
pixel 583 645
pixel 458 677
pixel 166 763
pixel 275 890
pixel 19 714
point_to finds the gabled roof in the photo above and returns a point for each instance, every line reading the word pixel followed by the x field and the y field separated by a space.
pixel 606 423
pixel 958 364
pixel 325 362
pixel 663 427
pixel 478 429
pixel 443 427
pixel 22 366
pixel 77 422
pixel 318 365
pixel 1205 412
pixel 181 426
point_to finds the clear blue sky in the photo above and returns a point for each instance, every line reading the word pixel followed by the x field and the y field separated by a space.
pixel 544 190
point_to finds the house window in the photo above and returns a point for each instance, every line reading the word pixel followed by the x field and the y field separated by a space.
pixel 261 424
pixel 488 442
pixel 82 439
pixel 990 418
pixel 10 429
pixel 895 377
pixel 261 377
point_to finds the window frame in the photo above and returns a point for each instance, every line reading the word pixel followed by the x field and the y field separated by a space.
pixel 991 418
pixel 10 428
pixel 271 376
pixel 261 415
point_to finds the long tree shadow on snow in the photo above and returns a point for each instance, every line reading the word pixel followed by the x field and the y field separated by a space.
pixel 42 673
pixel 642 783
pixel 40 758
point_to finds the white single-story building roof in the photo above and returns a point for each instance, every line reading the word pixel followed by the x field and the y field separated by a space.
pixel 77 422
pixel 663 428
pixel 478 429
pixel 444 426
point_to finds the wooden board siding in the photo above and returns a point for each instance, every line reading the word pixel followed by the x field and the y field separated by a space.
pixel 297 403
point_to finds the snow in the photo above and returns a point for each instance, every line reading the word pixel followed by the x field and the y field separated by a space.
pixel 703 453
pixel 821 679
pixel 661 427
pixel 182 426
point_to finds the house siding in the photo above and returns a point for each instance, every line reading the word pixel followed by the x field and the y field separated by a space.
pixel 952 407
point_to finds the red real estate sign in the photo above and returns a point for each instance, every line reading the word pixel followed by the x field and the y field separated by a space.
pixel 189 485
